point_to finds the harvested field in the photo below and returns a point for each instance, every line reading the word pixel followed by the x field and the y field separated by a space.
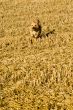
pixel 37 75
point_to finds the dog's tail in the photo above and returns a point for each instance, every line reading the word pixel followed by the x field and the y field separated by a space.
pixel 50 32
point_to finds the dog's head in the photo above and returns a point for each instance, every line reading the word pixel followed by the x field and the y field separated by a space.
pixel 35 23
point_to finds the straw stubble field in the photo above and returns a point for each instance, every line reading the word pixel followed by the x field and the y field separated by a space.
pixel 37 75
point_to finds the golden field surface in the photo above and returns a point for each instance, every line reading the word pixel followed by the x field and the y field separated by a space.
pixel 36 75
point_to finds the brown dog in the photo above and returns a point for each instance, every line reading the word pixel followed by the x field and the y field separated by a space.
pixel 35 29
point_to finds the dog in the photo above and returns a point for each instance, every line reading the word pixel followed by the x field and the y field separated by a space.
pixel 35 28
